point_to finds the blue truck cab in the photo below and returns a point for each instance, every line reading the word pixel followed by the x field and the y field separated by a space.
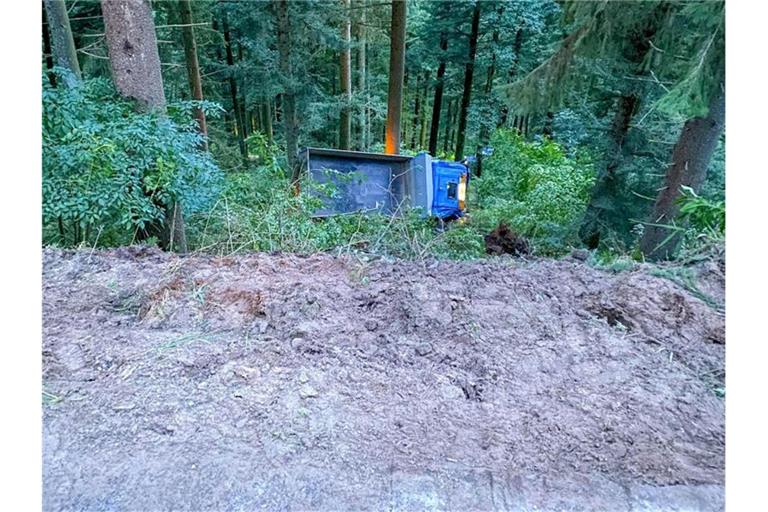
pixel 449 181
pixel 386 184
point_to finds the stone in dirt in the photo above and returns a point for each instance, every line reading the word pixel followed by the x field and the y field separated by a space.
pixel 307 391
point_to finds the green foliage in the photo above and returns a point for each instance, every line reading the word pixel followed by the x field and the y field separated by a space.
pixel 536 189
pixel 704 215
pixel 110 170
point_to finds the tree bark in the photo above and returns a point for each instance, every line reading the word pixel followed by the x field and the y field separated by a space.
pixel 468 74
pixel 239 124
pixel 396 72
pixel 416 116
pixel 266 119
pixel 64 51
pixel 423 117
pixel 345 72
pixel 193 67
pixel 437 103
pixel 48 52
pixel 450 127
pixel 517 46
pixel 405 123
pixel 132 45
pixel 690 159
pixel 290 121
pixel 549 121
pixel 362 143
pixel 243 101
pixel 485 135
pixel 605 188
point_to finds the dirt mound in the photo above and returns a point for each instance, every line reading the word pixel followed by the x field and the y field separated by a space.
pixel 504 240
pixel 316 383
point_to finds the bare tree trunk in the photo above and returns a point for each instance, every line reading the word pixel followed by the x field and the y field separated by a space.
pixel 405 122
pixel 193 67
pixel 266 119
pixel 468 73
pixel 423 117
pixel 396 72
pixel 485 135
pixel 243 101
pixel 448 121
pixel 130 32
pixel 345 72
pixel 129 28
pixel 690 160
pixel 548 125
pixel 517 46
pixel 239 124
pixel 361 84
pixel 48 54
pixel 64 51
pixel 416 117
pixel 437 103
pixel 290 121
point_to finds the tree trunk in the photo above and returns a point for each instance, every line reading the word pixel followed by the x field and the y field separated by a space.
pixel 405 125
pixel 193 67
pixel 517 46
pixel 468 72
pixel 690 160
pixel 437 103
pixel 423 117
pixel 239 124
pixel 605 189
pixel 130 32
pixel 132 45
pixel 64 51
pixel 266 119
pixel 603 201
pixel 485 135
pixel 243 101
pixel 416 116
pixel 290 121
pixel 396 72
pixel 174 237
pixel 548 125
pixel 345 72
pixel 362 143
pixel 48 52
pixel 448 121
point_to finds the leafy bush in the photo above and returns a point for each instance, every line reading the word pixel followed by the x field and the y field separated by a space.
pixel 536 189
pixel 109 171
pixel 704 215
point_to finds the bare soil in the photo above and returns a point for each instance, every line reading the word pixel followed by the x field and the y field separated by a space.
pixel 282 382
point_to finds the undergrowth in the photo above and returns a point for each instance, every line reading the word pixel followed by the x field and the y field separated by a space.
pixel 533 187
pixel 110 171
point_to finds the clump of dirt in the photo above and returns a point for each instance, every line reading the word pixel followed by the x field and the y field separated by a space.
pixel 504 240
pixel 317 383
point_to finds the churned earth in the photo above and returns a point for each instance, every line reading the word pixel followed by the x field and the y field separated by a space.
pixel 283 382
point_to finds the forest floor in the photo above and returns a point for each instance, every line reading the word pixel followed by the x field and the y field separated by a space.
pixel 283 382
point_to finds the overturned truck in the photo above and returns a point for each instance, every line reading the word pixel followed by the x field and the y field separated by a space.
pixel 386 184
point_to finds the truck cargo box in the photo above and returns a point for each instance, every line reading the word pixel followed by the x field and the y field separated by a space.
pixel 385 184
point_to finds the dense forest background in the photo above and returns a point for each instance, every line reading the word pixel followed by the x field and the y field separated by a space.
pixel 178 122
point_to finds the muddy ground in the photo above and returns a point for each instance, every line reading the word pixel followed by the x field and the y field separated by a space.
pixel 280 382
